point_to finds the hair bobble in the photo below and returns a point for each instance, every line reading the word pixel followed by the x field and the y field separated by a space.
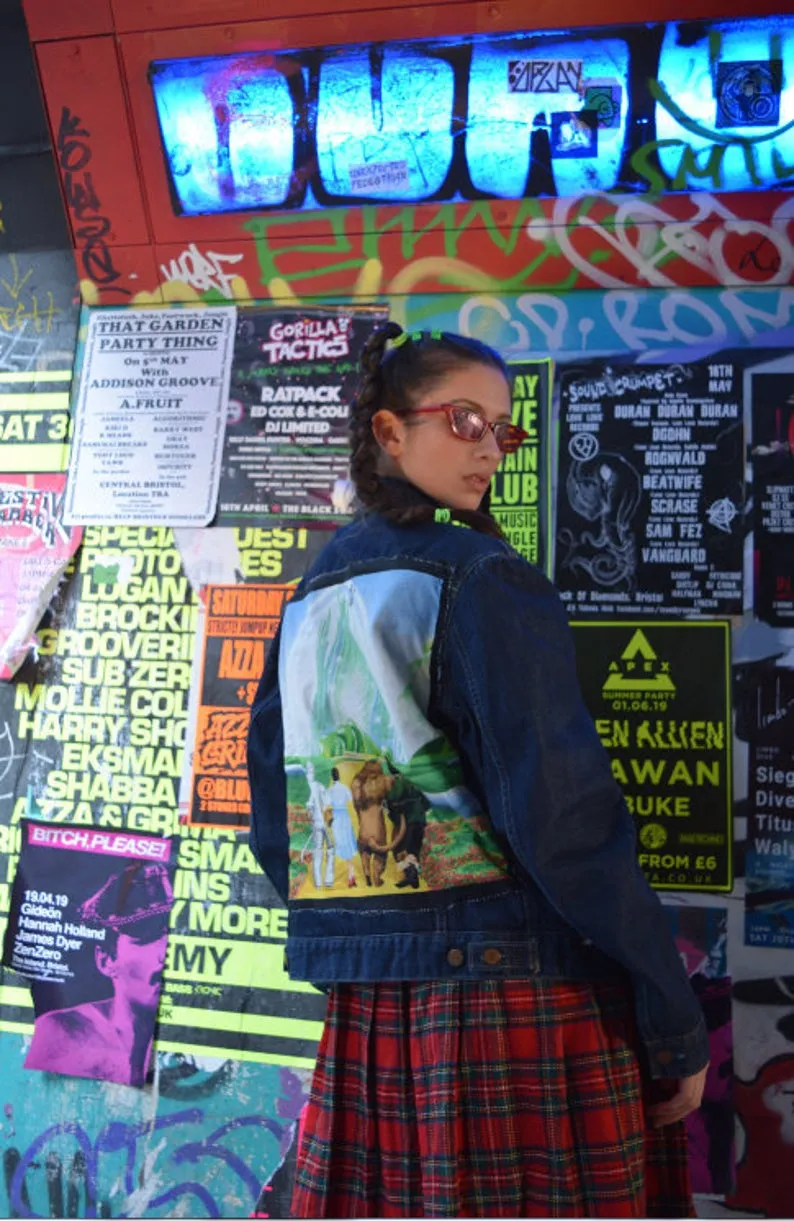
pixel 443 517
pixel 402 338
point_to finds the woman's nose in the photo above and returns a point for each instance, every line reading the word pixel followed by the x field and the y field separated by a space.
pixel 488 444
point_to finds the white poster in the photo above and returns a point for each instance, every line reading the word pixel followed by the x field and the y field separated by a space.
pixel 150 417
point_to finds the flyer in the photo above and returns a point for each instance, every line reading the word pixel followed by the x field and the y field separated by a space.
pixel 88 926
pixel 286 450
pixel 521 488
pixel 150 416
pixel 651 489
pixel 772 458
pixel 35 548
pixel 240 622
pixel 769 866
pixel 659 694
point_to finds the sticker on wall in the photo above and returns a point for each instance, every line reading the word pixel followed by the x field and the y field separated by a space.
pixel 604 100
pixel 650 489
pixel 521 487
pixel 88 926
pixel 149 417
pixel 544 75
pixel 660 697
pixel 574 133
pixel 35 549
pixel 376 176
pixel 286 453
pixel 748 93
pixel 772 458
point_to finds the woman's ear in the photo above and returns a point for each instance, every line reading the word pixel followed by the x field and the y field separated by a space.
pixel 388 430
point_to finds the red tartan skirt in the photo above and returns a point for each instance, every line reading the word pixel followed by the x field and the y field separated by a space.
pixel 518 1098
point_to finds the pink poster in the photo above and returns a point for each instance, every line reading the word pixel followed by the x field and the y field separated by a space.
pixel 35 547
pixel 88 926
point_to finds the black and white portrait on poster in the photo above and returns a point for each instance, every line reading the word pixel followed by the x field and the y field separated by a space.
pixel 650 489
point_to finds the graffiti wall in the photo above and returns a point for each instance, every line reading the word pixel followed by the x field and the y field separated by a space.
pixel 637 246
pixel 688 123
pixel 204 1141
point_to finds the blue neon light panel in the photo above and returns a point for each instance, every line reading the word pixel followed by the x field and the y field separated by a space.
pixel 384 124
pixel 691 105
pixel 228 125
pixel 725 104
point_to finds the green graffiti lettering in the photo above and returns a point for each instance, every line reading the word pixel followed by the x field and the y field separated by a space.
pixel 690 165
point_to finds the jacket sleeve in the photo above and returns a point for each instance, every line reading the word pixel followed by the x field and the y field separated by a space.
pixel 510 690
pixel 269 836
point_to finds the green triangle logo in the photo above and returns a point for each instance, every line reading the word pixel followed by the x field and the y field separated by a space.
pixel 639 669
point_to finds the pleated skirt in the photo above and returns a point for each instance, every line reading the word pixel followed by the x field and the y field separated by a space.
pixel 520 1098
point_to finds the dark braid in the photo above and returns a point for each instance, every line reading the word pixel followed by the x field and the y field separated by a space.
pixel 391 380
pixel 364 449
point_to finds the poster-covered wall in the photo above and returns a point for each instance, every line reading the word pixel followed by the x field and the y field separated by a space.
pixel 126 719
pixel 129 715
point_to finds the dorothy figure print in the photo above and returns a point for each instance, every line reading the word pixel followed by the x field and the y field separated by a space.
pixel 321 838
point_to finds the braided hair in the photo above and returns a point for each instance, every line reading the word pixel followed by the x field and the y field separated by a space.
pixel 391 380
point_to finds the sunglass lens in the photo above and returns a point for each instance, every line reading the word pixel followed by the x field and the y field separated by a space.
pixel 509 437
pixel 467 425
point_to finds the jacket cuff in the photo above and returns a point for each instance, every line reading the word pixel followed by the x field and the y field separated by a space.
pixel 679 1055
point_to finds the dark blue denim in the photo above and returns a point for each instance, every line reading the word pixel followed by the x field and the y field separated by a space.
pixel 504 691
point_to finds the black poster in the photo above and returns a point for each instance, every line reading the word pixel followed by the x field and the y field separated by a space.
pixel 772 456
pixel 286 450
pixel 659 695
pixel 88 926
pixel 650 491
pixel 769 861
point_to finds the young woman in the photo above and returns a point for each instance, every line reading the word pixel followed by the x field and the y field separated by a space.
pixel 514 1035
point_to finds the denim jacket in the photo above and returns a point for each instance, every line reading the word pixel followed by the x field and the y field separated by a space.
pixel 429 794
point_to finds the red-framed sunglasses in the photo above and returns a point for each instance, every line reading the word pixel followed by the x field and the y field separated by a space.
pixel 468 425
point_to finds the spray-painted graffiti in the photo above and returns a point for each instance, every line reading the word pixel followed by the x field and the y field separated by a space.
pixel 508 116
pixel 205 273
pixel 509 248
pixel 91 227
pixel 565 325
pixel 632 321
pixel 203 1141
pixel 38 315
pixel 645 239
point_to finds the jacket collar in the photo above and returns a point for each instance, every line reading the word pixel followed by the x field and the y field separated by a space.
pixel 405 495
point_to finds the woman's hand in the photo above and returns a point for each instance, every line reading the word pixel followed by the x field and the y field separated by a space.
pixel 686 1099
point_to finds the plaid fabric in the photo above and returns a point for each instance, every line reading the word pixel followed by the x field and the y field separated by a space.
pixel 495 1099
